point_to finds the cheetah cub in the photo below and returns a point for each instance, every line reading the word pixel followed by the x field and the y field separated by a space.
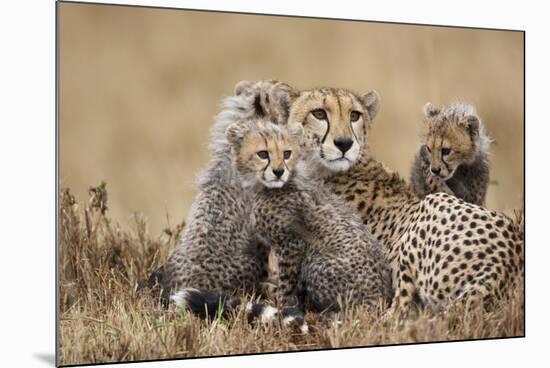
pixel 217 249
pixel 321 253
pixel 453 156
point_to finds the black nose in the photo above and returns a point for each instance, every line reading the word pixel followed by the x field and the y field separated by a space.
pixel 278 172
pixel 343 144
pixel 436 171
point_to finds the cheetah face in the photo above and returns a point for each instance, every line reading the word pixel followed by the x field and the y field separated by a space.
pixel 452 138
pixel 335 125
pixel 264 153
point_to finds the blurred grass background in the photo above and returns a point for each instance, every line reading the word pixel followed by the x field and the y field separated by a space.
pixel 139 89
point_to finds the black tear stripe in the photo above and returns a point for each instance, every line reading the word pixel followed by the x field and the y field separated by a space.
pixel 284 163
pixel 286 167
pixel 326 133
pixel 353 131
pixel 268 159
pixel 328 125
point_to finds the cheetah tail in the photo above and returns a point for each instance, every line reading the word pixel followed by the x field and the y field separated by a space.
pixel 205 303
pixel 212 303
pixel 289 316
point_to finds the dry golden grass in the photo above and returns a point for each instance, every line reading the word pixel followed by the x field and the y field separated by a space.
pixel 106 316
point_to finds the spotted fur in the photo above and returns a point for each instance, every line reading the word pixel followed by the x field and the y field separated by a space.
pixel 453 155
pixel 440 248
pixel 323 253
pixel 217 249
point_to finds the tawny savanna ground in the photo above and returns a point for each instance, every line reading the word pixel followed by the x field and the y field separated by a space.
pixel 107 316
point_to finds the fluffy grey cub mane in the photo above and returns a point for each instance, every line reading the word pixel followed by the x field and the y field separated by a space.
pixel 250 103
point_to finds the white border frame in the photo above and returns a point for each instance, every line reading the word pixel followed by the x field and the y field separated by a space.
pixel 28 183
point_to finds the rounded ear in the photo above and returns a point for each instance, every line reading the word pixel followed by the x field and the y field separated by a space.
pixel 296 131
pixel 292 93
pixel 285 94
pixel 471 122
pixel 430 110
pixel 241 86
pixel 234 133
pixel 371 102
pixel 276 98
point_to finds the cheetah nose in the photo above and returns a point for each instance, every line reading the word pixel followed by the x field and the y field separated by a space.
pixel 343 144
pixel 436 171
pixel 278 172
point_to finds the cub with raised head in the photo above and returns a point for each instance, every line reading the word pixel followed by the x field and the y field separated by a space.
pixel 321 252
pixel 453 155
pixel 217 249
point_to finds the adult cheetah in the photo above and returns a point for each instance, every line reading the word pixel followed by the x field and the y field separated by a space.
pixel 441 248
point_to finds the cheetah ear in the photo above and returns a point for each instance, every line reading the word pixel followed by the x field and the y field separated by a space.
pixel 296 131
pixel 371 102
pixel 235 133
pixel 430 110
pixel 293 92
pixel 285 95
pixel 471 122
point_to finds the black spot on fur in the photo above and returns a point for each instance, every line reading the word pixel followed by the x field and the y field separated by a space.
pixel 406 279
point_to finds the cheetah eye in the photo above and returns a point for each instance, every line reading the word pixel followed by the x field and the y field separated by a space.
pixel 287 154
pixel 264 155
pixel 445 151
pixel 319 114
pixel 354 116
